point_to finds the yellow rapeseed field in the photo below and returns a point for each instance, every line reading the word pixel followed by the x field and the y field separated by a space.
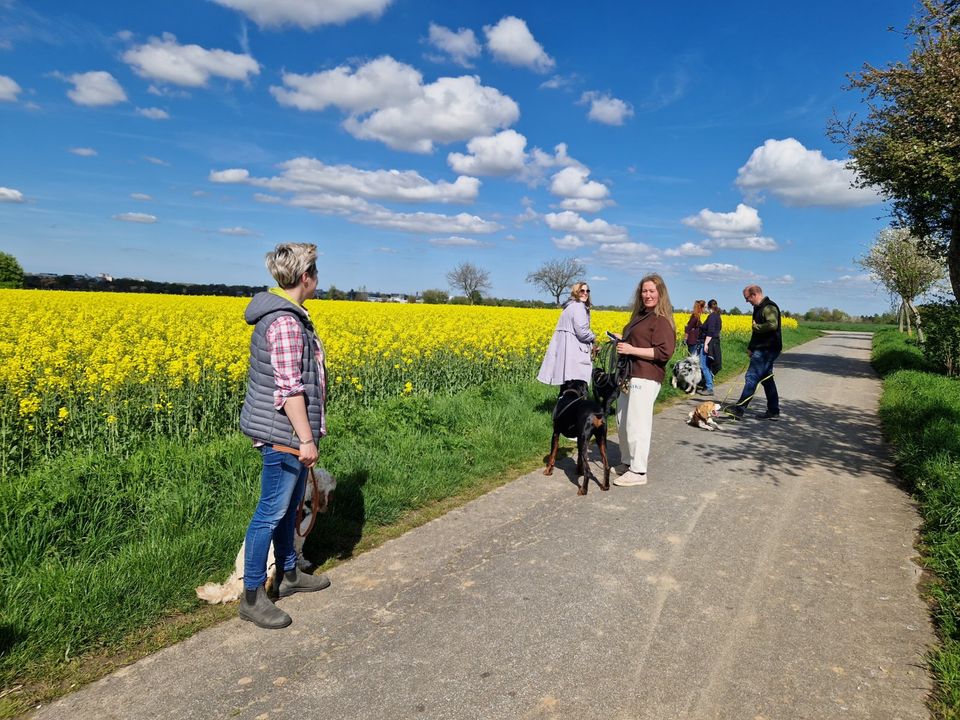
pixel 84 364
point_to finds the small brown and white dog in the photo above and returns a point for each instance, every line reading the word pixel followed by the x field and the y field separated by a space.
pixel 316 499
pixel 702 416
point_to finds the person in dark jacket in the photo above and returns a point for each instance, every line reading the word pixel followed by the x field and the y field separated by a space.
pixel 284 415
pixel 710 350
pixel 693 332
pixel 649 340
pixel 766 344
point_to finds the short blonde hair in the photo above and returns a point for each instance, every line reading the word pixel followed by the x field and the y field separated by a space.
pixel 287 262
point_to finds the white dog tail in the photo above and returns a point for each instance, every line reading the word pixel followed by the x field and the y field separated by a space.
pixel 227 592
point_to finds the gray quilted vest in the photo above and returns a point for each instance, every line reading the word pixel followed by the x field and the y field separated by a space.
pixel 259 419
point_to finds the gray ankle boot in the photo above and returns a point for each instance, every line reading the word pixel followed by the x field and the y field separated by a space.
pixel 257 608
pixel 294 581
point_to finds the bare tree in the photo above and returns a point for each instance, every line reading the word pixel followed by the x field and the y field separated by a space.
pixel 469 278
pixel 898 263
pixel 556 276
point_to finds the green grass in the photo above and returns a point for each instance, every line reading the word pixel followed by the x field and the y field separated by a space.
pixel 920 413
pixel 100 551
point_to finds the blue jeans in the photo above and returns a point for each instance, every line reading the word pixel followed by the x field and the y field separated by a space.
pixel 761 365
pixel 282 482
pixel 707 375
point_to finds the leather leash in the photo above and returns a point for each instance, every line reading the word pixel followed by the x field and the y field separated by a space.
pixel 303 501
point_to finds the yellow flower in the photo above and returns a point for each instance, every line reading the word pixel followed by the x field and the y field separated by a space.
pixel 63 414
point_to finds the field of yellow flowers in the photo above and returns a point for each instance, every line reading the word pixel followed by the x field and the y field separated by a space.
pixel 103 368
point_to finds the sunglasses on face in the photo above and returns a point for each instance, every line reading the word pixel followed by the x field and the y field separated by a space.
pixel 585 290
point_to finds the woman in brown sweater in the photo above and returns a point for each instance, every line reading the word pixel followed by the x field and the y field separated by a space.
pixel 649 339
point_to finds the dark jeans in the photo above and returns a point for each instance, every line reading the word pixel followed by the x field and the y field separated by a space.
pixel 761 365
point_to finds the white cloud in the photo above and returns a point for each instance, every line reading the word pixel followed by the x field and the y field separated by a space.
pixel 605 108
pixel 237 231
pixel 428 223
pixel 721 271
pixel 782 280
pixel 743 221
pixel 140 196
pixel 750 242
pixel 305 13
pixel 627 256
pixel 268 199
pixel 153 113
pixel 598 230
pixel 233 175
pixel 164 60
pixel 558 82
pixel 688 249
pixel 94 89
pixel 327 203
pixel 581 194
pixel 9 89
pixel 382 82
pixel 500 154
pixel 461 46
pixel 135 217
pixel 9 195
pixel 156 161
pixel 308 175
pixel 83 151
pixel 447 110
pixel 569 242
pixel 800 177
pixel 598 278
pixel 457 241
pixel 511 41
pixel 387 101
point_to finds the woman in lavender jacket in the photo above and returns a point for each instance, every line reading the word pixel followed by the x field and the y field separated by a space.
pixel 567 361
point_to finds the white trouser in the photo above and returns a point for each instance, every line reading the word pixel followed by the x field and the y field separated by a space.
pixel 635 422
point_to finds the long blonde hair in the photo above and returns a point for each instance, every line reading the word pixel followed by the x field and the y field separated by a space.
pixel 664 308
pixel 698 307
pixel 575 292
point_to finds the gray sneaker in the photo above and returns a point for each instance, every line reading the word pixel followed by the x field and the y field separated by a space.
pixel 631 478
pixel 262 612
pixel 294 581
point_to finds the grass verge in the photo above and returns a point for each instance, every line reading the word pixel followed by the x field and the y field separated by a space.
pixel 920 413
pixel 100 552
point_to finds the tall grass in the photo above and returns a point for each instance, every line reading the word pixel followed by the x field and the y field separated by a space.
pixel 920 412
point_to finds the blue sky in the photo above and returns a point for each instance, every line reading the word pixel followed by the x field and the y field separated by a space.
pixel 181 140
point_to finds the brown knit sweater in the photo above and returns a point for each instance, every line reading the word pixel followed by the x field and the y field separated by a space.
pixel 652 331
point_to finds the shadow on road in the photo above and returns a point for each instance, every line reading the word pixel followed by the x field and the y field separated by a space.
pixel 833 438
pixel 831 365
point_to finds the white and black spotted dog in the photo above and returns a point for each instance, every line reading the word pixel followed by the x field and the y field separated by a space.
pixel 687 374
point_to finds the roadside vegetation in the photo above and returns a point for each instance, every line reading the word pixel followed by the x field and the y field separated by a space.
pixel 920 413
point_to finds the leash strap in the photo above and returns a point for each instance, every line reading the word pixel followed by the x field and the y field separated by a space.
pixel 303 501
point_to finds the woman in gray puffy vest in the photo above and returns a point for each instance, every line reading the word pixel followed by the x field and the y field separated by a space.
pixel 284 414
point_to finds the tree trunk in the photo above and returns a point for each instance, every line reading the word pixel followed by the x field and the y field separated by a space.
pixel 901 316
pixel 953 253
pixel 916 320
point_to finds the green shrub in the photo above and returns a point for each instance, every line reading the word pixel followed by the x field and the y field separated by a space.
pixel 941 327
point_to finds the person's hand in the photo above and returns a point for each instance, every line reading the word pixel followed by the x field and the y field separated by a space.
pixel 308 453
pixel 624 348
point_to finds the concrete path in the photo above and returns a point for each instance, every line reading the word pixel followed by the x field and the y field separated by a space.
pixel 765 572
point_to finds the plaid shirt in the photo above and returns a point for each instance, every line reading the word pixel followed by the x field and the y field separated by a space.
pixel 285 338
